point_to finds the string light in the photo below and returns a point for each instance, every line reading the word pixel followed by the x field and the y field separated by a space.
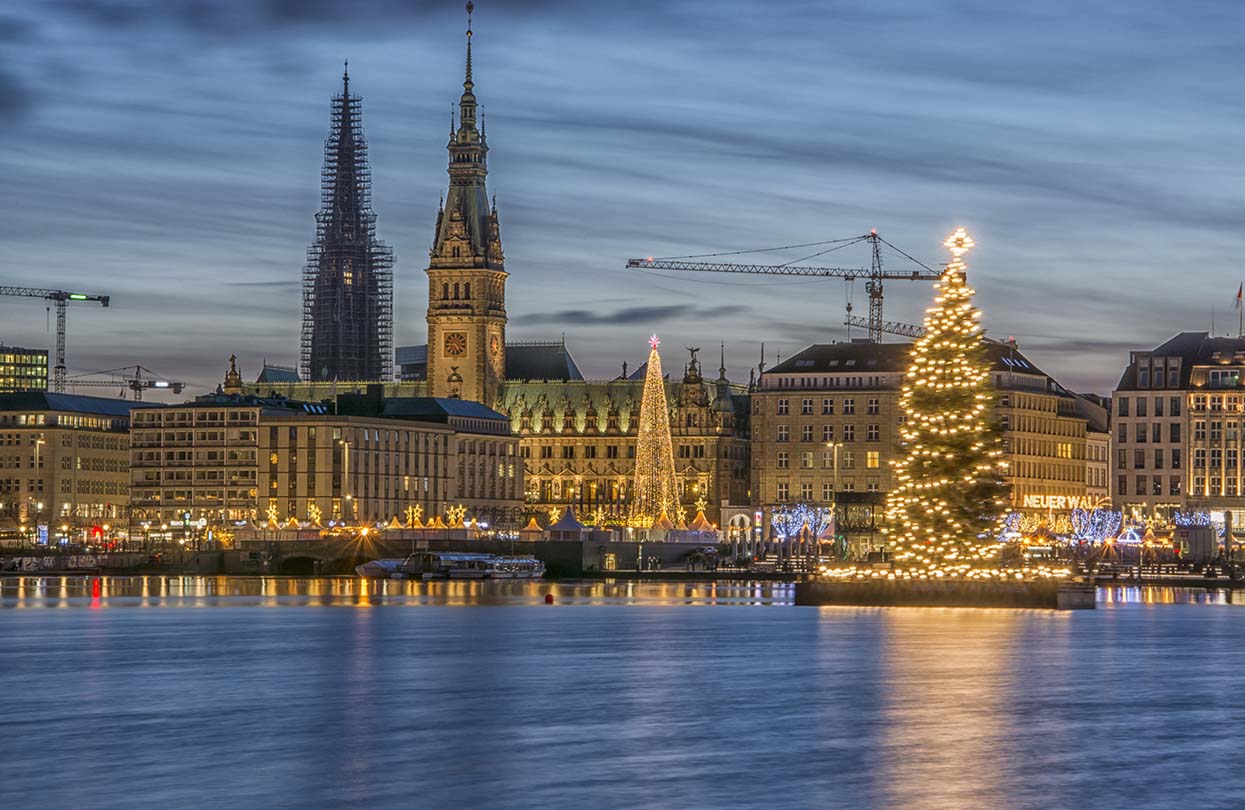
pixel 655 491
pixel 949 491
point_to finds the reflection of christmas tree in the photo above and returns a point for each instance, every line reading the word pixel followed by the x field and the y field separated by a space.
pixel 653 489
pixel 949 488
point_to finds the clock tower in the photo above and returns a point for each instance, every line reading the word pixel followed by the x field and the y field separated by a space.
pixel 466 270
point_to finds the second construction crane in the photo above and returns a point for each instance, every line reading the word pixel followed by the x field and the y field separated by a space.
pixel 875 274
pixel 59 298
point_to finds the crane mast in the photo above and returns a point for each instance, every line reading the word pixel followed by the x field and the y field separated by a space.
pixel 59 298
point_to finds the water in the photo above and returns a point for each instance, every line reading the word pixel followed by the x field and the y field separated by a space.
pixel 188 692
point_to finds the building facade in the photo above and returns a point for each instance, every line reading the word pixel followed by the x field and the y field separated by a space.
pixel 64 466
pixel 1179 428
pixel 578 437
pixel 23 369
pixel 825 428
pixel 230 457
pixel 348 278
pixel 466 352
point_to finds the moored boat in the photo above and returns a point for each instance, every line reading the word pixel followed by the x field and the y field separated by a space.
pixel 382 569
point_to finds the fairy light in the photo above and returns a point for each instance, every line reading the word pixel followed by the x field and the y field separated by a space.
pixel 654 485
pixel 949 493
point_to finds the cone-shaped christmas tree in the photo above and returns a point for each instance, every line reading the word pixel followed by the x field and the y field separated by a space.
pixel 653 489
pixel 949 487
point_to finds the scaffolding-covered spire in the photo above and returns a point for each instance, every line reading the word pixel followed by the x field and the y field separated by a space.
pixel 347 281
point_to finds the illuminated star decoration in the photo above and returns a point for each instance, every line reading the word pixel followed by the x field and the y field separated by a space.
pixel 653 342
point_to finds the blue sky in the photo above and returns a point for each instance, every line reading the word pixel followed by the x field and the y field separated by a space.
pixel 168 154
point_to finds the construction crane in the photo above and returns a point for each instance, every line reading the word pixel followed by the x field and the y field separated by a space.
pixel 875 274
pixel 130 377
pixel 910 330
pixel 60 298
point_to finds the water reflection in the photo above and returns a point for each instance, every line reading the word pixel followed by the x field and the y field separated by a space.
pixel 199 591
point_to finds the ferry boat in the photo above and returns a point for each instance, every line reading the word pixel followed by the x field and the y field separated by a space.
pixel 378 569
pixel 458 565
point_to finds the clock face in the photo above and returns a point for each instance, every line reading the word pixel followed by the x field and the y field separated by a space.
pixel 494 346
pixel 455 343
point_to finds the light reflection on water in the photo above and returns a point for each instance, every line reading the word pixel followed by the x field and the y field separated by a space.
pixel 223 591
pixel 631 703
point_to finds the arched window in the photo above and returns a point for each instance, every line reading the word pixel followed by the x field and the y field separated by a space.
pixel 455 290
pixel 445 292
pixel 467 290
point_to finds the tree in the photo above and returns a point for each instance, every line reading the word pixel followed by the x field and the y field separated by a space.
pixel 949 475
pixel 654 488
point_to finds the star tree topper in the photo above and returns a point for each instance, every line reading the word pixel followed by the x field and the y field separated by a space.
pixel 653 342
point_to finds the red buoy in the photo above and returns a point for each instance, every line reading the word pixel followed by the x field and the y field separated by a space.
pixel 548 599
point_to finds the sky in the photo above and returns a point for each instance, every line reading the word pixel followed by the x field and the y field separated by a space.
pixel 168 154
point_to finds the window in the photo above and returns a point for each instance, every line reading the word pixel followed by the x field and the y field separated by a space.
pixel 1174 410
pixel 827 459
pixel 849 433
pixel 1156 432
pixel 1139 459
pixel 783 491
pixel 1158 406
pixel 611 451
pixel 784 460
pixel 806 407
pixel 872 459
pixel 590 451
pixel 1173 484
pixel 1140 436
pixel 1158 459
pixel 1199 431
pixel 872 433
pixel 1122 460
pixel 1157 485
pixel 1123 407
pixel 827 433
pixel 849 407
pixel 784 433
pixel 782 407
pixel 568 451
pixel 1174 432
pixel 1122 433
pixel 872 486
pixel 1175 459
pixel 847 459
pixel 806 492
pixel 827 407
pixel 872 407
pixel 827 492
pixel 806 433
pixel 1141 406
pixel 1141 485
pixel 546 451
pixel 1216 431
pixel 1122 485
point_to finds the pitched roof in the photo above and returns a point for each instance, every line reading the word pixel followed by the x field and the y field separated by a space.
pixel 540 361
pixel 272 374
pixel 1193 349
pixel 438 409
pixel 72 403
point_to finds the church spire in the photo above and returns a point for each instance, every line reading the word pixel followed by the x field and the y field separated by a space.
pixel 468 231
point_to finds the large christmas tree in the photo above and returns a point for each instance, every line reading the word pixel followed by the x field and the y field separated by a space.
pixel 949 487
pixel 654 490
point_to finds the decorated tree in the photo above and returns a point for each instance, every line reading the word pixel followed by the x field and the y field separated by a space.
pixel 949 491
pixel 654 490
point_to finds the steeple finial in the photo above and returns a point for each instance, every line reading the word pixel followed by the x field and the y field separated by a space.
pixel 722 363
pixel 470 8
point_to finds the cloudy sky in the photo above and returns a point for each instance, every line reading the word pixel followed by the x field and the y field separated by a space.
pixel 168 153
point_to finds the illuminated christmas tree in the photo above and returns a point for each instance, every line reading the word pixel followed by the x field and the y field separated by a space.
pixel 949 489
pixel 654 490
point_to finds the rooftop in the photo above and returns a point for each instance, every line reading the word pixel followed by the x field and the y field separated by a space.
pixel 69 403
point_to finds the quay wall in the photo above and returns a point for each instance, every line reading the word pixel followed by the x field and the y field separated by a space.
pixel 1041 594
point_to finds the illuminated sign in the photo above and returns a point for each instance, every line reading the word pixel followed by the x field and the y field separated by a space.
pixel 1058 502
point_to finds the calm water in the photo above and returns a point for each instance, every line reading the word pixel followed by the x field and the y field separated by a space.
pixel 189 692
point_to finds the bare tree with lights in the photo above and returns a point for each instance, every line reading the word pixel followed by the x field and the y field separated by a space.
pixel 949 489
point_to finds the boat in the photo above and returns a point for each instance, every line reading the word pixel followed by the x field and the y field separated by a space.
pixel 436 564
pixel 457 565
pixel 378 569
